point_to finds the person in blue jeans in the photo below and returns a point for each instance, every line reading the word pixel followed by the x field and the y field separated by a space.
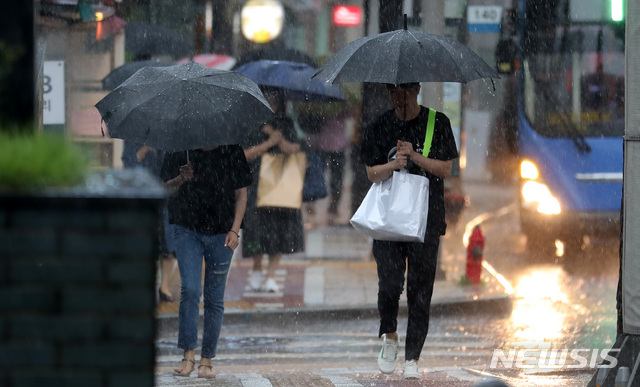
pixel 206 206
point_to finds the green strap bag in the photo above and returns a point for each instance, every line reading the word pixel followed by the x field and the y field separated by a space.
pixel 431 122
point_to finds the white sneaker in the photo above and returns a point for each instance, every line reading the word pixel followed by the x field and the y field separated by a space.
pixel 255 280
pixel 388 355
pixel 410 370
pixel 271 286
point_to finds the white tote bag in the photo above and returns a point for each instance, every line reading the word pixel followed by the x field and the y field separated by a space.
pixel 395 209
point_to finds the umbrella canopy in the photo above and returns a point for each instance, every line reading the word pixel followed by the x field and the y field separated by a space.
pixel 293 78
pixel 222 62
pixel 122 73
pixel 271 52
pixel 183 107
pixel 150 39
pixel 405 56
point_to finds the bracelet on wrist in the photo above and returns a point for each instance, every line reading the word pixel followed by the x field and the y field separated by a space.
pixel 235 233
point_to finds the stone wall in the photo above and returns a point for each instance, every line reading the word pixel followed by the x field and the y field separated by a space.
pixel 77 290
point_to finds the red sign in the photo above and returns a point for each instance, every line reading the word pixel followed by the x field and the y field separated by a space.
pixel 347 15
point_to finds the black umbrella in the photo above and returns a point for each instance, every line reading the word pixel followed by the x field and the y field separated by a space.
pixel 182 107
pixel 144 39
pixel 405 56
pixel 275 53
pixel 122 73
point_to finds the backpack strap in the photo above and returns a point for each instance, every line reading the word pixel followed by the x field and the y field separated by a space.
pixel 431 122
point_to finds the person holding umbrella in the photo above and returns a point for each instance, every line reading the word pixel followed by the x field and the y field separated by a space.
pixel 206 207
pixel 197 115
pixel 402 131
pixel 271 231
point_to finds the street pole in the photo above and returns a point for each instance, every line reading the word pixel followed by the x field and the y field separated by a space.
pixel 628 301
pixel 432 16
pixel 17 65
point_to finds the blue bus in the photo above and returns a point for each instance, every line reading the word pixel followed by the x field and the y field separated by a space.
pixel 566 63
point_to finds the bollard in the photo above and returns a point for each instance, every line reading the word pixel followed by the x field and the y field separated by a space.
pixel 475 251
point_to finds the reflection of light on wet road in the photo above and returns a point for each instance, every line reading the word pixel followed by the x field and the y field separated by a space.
pixel 536 316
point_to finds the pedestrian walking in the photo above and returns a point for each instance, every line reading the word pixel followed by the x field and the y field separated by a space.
pixel 135 155
pixel 206 206
pixel 273 231
pixel 331 142
pixel 400 133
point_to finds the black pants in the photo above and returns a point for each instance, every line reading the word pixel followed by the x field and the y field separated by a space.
pixel 392 259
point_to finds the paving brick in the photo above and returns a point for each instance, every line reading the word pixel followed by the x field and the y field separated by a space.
pixel 55 327
pixel 26 354
pixel 108 355
pixel 50 218
pixel 49 379
pixel 56 272
pixel 132 272
pixel 131 379
pixel 109 245
pixel 18 299
pixel 132 328
pixel 20 244
pixel 108 300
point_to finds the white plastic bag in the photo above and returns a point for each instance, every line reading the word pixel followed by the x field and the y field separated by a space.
pixel 395 209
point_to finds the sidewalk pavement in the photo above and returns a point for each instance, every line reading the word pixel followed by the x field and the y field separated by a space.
pixel 336 276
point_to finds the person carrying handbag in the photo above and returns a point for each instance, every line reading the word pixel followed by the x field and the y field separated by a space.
pixel 273 231
pixel 403 129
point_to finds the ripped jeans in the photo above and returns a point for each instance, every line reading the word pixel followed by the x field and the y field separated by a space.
pixel 190 247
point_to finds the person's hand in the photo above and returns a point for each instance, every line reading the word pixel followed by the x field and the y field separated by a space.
pixel 403 151
pixel 268 129
pixel 289 147
pixel 405 148
pixel 232 240
pixel 186 172
pixel 275 138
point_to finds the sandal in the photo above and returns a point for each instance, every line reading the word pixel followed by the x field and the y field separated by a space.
pixel 181 371
pixel 206 376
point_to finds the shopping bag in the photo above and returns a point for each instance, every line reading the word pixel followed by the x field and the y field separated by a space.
pixel 315 186
pixel 395 209
pixel 281 179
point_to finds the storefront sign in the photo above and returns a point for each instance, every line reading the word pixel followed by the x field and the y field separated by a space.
pixel 347 15
pixel 53 107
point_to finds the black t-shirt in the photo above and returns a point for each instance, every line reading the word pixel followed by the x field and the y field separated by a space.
pixel 381 136
pixel 206 204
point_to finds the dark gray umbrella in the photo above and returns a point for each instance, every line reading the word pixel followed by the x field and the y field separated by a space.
pixel 182 107
pixel 146 40
pixel 405 56
pixel 122 73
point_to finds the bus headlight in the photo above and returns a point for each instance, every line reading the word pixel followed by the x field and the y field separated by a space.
pixel 528 170
pixel 537 195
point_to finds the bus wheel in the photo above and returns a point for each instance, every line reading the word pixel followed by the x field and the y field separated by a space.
pixel 541 244
pixel 573 247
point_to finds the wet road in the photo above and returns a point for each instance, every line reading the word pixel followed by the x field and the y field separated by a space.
pixel 558 306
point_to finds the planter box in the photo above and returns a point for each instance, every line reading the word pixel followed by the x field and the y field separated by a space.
pixel 77 282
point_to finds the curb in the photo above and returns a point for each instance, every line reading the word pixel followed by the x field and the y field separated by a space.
pixel 167 325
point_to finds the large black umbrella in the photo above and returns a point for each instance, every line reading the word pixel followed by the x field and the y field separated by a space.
pixel 293 78
pixel 122 73
pixel 405 56
pixel 183 107
pixel 144 39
